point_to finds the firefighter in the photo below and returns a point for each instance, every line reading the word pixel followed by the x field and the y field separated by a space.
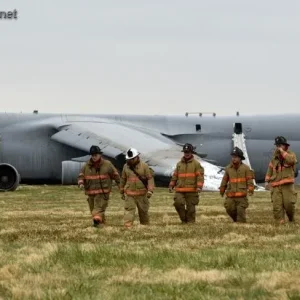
pixel 136 188
pixel 280 178
pixel 238 180
pixel 187 180
pixel 96 179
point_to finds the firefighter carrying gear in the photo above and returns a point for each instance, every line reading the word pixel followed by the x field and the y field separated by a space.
pixel 238 183
pixel 187 180
pixel 135 193
pixel 281 176
pixel 97 180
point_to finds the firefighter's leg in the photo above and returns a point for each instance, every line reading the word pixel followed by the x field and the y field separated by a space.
pixel 100 205
pixel 230 207
pixel 143 208
pixel 192 199
pixel 90 201
pixel 179 203
pixel 277 199
pixel 129 210
pixel 289 200
pixel 241 206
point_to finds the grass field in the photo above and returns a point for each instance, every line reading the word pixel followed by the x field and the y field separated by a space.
pixel 50 251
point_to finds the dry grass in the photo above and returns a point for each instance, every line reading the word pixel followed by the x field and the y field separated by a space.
pixel 50 251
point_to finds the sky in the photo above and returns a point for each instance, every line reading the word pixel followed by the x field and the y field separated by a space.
pixel 151 57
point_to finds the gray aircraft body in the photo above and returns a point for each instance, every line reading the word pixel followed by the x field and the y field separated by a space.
pixel 50 148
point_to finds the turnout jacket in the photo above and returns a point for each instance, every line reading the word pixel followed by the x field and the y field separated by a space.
pixel 98 181
pixel 237 181
pixel 131 185
pixel 188 176
pixel 281 169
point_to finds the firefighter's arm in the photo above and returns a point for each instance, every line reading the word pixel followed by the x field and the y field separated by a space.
pixel 123 180
pixel 174 178
pixel 80 178
pixel 224 182
pixel 290 158
pixel 249 177
pixel 114 174
pixel 199 176
pixel 150 179
pixel 269 172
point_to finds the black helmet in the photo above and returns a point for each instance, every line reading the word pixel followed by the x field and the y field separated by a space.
pixel 188 148
pixel 280 140
pixel 238 152
pixel 95 150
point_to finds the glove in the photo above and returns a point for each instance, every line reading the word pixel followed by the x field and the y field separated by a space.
pixel 149 194
pixel 199 190
pixel 222 194
pixel 81 186
pixel 170 189
pixel 123 196
pixel 250 193
pixel 267 185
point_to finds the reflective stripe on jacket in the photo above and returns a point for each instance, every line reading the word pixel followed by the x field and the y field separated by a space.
pixel 98 181
pixel 188 176
pixel 131 185
pixel 237 181
pixel 280 173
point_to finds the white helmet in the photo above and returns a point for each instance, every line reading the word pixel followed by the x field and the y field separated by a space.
pixel 131 153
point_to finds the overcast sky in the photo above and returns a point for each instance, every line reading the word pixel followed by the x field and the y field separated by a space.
pixel 151 56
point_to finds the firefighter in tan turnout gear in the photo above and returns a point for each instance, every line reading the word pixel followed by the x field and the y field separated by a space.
pixel 238 183
pixel 137 185
pixel 187 180
pixel 96 179
pixel 281 176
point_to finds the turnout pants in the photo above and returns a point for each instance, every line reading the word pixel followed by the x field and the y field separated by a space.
pixel 236 208
pixel 185 205
pixel 284 198
pixel 130 205
pixel 98 204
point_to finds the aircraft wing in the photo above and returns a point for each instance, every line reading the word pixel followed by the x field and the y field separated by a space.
pixel 114 139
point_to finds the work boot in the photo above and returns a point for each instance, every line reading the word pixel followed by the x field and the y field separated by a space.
pixel 96 223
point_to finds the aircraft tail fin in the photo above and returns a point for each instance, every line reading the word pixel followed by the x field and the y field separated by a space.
pixel 239 141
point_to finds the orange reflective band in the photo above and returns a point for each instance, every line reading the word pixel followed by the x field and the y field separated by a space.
pixel 249 177
pixel 236 194
pixel 199 183
pixel 136 193
pixel 186 189
pixel 133 179
pixel 175 173
pixel 93 192
pixel 222 189
pixel 235 180
pixel 251 188
pixel 172 183
pixel 93 177
pixel 150 187
pixel 185 175
pixel 283 181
